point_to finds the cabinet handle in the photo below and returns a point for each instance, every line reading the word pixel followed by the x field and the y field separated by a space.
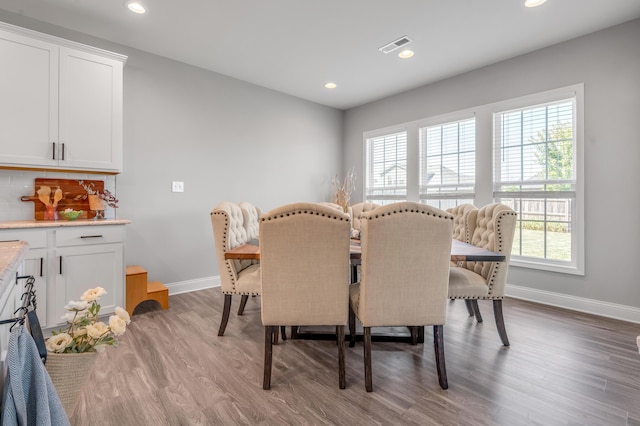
pixel 54 151
pixel 91 236
pixel 41 264
pixel 60 265
pixel 8 241
pixel 62 152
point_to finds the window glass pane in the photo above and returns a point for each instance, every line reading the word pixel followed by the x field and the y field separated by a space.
pixel 386 168
pixel 447 163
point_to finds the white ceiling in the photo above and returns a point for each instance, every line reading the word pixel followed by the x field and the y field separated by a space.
pixel 295 46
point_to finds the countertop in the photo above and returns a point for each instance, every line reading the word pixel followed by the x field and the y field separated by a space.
pixel 28 224
pixel 12 253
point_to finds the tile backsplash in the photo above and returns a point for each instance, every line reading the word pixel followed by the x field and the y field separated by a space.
pixel 16 183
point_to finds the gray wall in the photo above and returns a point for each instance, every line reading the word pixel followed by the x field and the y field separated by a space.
pixel 224 138
pixel 608 63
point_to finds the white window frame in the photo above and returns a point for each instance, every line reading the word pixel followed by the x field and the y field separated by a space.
pixel 576 264
pixel 484 188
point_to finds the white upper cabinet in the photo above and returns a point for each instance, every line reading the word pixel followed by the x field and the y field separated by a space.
pixel 60 104
pixel 90 115
pixel 28 100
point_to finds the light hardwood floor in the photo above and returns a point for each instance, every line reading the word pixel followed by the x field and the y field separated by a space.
pixel 563 368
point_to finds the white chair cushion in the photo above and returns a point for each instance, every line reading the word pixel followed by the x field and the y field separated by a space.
pixel 466 284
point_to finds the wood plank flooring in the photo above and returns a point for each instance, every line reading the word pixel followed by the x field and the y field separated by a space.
pixel 171 368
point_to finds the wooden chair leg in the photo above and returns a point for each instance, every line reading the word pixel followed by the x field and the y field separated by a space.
pixel 268 355
pixel 469 307
pixel 421 334
pixel 476 309
pixel 275 336
pixel 225 314
pixel 368 377
pixel 438 344
pixel 352 327
pixel 414 335
pixel 497 313
pixel 283 332
pixel 243 303
pixel 294 332
pixel 342 380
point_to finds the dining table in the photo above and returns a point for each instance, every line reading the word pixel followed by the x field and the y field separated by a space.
pixel 460 252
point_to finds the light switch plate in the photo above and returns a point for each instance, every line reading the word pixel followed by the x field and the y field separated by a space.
pixel 177 186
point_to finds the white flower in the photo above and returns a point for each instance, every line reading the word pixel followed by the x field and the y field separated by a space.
pixel 118 325
pixel 73 318
pixel 79 332
pixel 97 330
pixel 76 306
pixel 84 332
pixel 123 314
pixel 58 342
pixel 93 294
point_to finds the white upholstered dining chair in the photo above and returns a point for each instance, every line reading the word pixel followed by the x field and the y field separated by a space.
pixel 492 227
pixel 462 230
pixel 304 258
pixel 406 248
pixel 237 277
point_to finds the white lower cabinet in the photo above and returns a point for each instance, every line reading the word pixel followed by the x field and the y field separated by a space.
pixel 84 267
pixel 66 262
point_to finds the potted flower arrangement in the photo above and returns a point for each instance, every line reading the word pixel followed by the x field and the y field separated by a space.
pixel 72 350
pixel 97 200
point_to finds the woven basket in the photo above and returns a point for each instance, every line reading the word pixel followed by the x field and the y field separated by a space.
pixel 69 373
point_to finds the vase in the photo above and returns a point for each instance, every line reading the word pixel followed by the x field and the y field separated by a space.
pixel 50 213
pixel 69 373
pixel 97 205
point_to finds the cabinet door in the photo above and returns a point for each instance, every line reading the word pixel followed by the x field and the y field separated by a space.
pixel 35 263
pixel 90 111
pixel 28 101
pixel 83 267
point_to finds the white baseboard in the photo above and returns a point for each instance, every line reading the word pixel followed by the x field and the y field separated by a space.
pixel 581 304
pixel 193 285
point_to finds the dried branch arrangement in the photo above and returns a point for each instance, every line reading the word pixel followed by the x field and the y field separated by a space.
pixel 344 189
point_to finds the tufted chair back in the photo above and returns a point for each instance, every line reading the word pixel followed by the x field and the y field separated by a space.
pixel 494 228
pixel 461 229
pixel 406 248
pixel 228 232
pixel 304 257
pixel 250 214
pixel 357 210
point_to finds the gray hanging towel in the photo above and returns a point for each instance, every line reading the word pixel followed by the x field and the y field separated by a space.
pixel 28 397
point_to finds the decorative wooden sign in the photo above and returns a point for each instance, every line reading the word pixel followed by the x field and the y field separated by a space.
pixel 61 194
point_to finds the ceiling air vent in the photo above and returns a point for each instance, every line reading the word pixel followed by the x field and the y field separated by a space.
pixel 402 41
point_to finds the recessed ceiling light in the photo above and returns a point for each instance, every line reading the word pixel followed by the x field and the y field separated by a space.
pixel 135 6
pixel 406 54
pixel 330 85
pixel 534 3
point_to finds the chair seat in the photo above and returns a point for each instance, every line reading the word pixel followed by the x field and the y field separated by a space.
pixel 466 284
pixel 248 281
pixel 354 296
